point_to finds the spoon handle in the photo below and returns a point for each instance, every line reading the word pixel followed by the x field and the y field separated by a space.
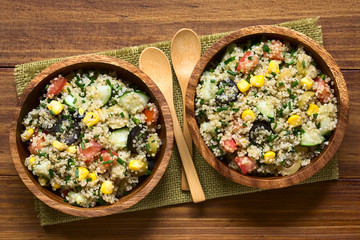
pixel 196 190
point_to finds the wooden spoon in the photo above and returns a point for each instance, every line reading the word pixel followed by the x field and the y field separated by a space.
pixel 185 53
pixel 156 65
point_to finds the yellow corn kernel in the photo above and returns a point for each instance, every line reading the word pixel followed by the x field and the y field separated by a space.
pixel 313 108
pixel 307 83
pixel 43 181
pixel 248 115
pixel 269 157
pixel 257 81
pixel 107 187
pixel 64 89
pixel 32 161
pixel 294 120
pixel 59 145
pixel 91 119
pixel 55 107
pixel 71 149
pixel 27 134
pixel 136 165
pixel 93 177
pixel 273 67
pixel 83 173
pixel 56 186
pixel 81 111
pixel 243 85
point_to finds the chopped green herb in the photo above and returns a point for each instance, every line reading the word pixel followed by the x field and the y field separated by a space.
pixel 60 128
pixel 274 74
pixel 40 154
pixel 313 63
pixel 290 105
pixel 213 81
pixel 108 82
pixel 280 112
pixel 111 154
pixel 221 109
pixel 280 84
pixel 135 120
pixel 231 72
pixel 52 112
pixel 68 89
pixel 122 115
pixel 291 62
pixel 266 48
pixel 294 84
pixel 51 173
pixel 244 124
pixel 223 123
pixel 221 90
pixel 110 161
pixel 237 64
pixel 275 125
pixel 148 172
pixel 287 133
pixel 77 173
pixel 119 160
pixel 202 101
pixel 235 109
pixel 303 64
pixel 227 61
pixel 322 76
pixel 315 115
pixel 250 58
pixel 82 145
pixel 147 146
pixel 96 136
pixel 211 70
pixel 293 52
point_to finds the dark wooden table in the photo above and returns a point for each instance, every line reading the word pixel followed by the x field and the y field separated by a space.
pixel 37 30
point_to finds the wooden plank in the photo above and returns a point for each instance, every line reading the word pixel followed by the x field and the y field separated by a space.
pixel 349 151
pixel 311 210
pixel 38 30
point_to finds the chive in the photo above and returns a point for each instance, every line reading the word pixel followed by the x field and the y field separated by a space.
pixel 136 121
pixel 280 112
pixel 88 180
pixel 265 91
pixel 51 173
pixel 237 64
pixel 153 140
pixel 212 80
pixel 111 154
pixel 52 112
pixel 269 42
pixel 223 123
pixel 77 173
pixel 244 124
pixel 227 61
pixel 221 90
pixel 322 76
pixel 110 161
pixel 314 64
pixel 47 86
pixel 108 82
pixel 148 172
pixel 274 74
pixel 280 84
pixel 221 109
pixel 315 115
pixel 211 70
pixel 318 125
pixel 82 146
pixel 231 51
pixel 231 72
pixel 293 52
pixel 148 146
pixel 290 105
pixel 96 136
pixel 282 162
pixel 303 64
pixel 119 160
pixel 250 58
pixel 268 77
pixel 272 138
pixel 275 125
pixel 289 91
pixel 122 114
pixel 266 48
pixel 287 133
pixel 202 101
pixel 294 84
pixel 291 62
pixel 86 140
pixel 75 99
pixel 67 178
pixel 60 128
pixel 101 158
pixel 235 109
pixel 42 154
pixel 68 89
pixel 139 136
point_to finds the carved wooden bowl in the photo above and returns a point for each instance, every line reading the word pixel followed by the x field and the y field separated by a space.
pixel 324 62
pixel 30 99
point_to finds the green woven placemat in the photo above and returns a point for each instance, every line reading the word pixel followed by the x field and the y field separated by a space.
pixel 168 191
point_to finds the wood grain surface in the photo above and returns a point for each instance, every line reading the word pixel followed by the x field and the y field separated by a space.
pixel 36 30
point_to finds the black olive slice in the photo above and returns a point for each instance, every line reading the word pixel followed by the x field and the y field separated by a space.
pixel 228 92
pixel 136 137
pixel 254 136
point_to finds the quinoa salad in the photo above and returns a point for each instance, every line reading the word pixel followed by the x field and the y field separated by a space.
pixel 265 108
pixel 92 138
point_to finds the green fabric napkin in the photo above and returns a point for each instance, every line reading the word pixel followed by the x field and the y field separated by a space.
pixel 168 191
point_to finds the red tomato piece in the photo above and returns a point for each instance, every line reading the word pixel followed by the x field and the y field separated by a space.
pixel 247 164
pixel 105 157
pixel 56 85
pixel 229 145
pixel 322 90
pixel 247 62
pixel 151 115
pixel 276 50
pixel 89 153
pixel 36 144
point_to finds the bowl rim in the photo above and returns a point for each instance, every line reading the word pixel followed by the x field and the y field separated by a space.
pixel 318 162
pixel 47 196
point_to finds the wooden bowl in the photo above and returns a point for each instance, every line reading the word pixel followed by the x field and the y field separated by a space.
pixel 325 62
pixel 30 99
